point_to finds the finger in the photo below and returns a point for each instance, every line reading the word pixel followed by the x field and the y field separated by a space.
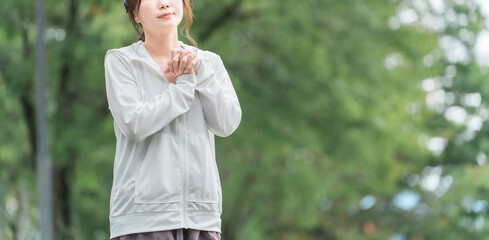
pixel 174 54
pixel 169 63
pixel 191 63
pixel 183 63
pixel 175 63
pixel 183 53
pixel 187 66
pixel 169 66
pixel 180 53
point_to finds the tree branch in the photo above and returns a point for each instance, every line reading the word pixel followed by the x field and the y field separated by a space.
pixel 226 14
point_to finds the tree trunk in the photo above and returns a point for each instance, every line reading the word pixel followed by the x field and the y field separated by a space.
pixel 64 165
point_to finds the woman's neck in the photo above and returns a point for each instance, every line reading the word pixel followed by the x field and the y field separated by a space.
pixel 161 44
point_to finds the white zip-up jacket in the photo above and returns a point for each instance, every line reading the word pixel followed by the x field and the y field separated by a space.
pixel 165 172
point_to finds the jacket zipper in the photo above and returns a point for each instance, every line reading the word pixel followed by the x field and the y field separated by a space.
pixel 185 172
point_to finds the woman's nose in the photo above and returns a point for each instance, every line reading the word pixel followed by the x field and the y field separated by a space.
pixel 162 4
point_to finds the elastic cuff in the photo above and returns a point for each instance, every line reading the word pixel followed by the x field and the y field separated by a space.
pixel 188 77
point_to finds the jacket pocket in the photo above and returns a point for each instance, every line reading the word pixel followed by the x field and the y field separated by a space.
pixel 159 178
pixel 202 173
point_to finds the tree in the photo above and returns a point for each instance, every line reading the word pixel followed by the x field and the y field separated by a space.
pixel 335 127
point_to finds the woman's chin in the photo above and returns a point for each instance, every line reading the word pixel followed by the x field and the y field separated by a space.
pixel 167 24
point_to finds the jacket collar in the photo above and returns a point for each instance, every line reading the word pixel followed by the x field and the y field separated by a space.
pixel 140 53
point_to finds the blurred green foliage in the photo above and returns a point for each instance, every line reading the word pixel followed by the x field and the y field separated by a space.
pixel 347 131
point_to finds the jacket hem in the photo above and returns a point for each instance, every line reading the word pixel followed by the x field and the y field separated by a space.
pixel 162 221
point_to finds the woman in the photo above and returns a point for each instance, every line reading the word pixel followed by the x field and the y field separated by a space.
pixel 168 100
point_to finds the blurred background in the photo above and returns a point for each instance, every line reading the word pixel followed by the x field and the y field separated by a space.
pixel 361 119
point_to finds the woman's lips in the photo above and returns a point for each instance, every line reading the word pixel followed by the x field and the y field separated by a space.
pixel 165 15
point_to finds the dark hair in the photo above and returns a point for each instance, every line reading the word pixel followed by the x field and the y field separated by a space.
pixel 132 6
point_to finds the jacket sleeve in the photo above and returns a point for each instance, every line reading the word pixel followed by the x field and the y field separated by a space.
pixel 138 119
pixel 220 103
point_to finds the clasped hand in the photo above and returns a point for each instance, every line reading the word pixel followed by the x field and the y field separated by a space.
pixel 182 61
